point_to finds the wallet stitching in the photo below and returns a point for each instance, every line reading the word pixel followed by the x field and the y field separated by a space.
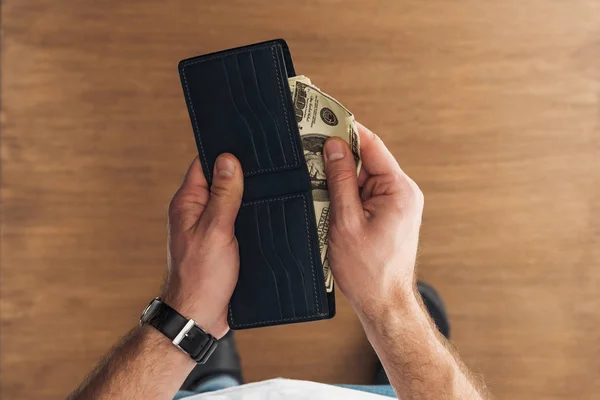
pixel 287 197
pixel 278 257
pixel 266 260
pixel 262 100
pixel 275 320
pixel 295 260
pixel 312 264
pixel 195 121
pixel 237 110
pixel 285 114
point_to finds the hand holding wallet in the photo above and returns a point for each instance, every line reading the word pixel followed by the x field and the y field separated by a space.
pixel 239 102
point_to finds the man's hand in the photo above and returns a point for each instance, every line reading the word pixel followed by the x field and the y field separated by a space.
pixel 203 251
pixel 375 222
pixel 203 269
pixel 373 237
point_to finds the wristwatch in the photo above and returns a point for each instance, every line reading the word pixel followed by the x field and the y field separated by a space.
pixel 183 332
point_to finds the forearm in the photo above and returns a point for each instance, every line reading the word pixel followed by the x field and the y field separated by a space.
pixel 145 365
pixel 418 360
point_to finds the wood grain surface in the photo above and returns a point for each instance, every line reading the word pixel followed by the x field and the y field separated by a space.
pixel 492 107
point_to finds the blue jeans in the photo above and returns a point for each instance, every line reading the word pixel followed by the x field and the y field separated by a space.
pixel 224 381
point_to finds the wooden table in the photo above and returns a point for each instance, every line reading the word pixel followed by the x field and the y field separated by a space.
pixel 492 107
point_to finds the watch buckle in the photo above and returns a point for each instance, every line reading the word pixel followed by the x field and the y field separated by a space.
pixel 183 333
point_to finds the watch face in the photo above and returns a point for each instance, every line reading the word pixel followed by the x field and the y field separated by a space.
pixel 149 310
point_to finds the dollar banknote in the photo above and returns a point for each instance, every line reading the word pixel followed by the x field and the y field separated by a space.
pixel 319 117
pixel 298 78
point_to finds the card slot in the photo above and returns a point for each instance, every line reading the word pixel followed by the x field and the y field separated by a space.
pixel 281 272
pixel 275 93
pixel 301 245
pixel 237 110
pixel 217 135
pixel 239 102
pixel 266 260
pixel 257 279
pixel 263 103
pixel 286 106
pixel 281 241
pixel 245 106
pixel 256 98
pixel 296 228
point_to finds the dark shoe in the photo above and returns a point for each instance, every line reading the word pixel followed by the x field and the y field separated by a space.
pixel 224 361
pixel 437 311
pixel 436 308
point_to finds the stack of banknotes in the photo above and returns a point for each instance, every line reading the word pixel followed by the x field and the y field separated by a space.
pixel 319 117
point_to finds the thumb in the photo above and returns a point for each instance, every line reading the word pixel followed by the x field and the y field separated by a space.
pixel 342 183
pixel 225 196
pixel 189 201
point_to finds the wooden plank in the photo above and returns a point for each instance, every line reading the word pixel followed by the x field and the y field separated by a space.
pixel 492 107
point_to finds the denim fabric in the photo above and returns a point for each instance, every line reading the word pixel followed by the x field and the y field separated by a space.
pixel 384 390
pixel 217 383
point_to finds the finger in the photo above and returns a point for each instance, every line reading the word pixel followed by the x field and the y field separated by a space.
pixel 384 192
pixel 225 197
pixel 194 177
pixel 342 184
pixel 362 177
pixel 190 200
pixel 376 158
pixel 379 185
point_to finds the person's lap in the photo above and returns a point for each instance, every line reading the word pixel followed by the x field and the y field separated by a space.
pixel 435 307
pixel 384 390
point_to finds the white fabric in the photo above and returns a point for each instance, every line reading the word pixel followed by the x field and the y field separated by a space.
pixel 286 389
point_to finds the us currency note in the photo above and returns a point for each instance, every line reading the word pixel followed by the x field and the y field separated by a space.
pixel 319 117
pixel 298 78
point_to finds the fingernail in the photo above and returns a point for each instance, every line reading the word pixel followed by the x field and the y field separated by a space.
pixel 225 167
pixel 334 149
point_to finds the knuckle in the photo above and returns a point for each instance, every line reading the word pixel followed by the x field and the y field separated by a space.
pixel 220 190
pixel 341 175
pixel 184 198
pixel 228 193
pixel 411 197
pixel 399 179
pixel 385 184
pixel 176 204
pixel 390 184
pixel 398 203
pixel 416 195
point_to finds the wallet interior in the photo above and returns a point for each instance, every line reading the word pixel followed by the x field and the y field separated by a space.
pixel 239 102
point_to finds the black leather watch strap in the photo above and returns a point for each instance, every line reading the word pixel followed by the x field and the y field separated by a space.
pixel 183 332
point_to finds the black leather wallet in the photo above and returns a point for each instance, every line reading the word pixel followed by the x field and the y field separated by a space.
pixel 239 102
